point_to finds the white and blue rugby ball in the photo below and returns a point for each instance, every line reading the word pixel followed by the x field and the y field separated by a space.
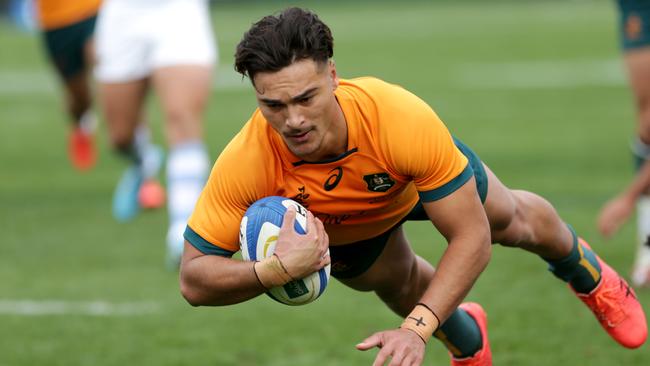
pixel 258 235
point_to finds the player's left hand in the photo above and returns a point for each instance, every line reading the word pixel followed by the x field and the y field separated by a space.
pixel 402 346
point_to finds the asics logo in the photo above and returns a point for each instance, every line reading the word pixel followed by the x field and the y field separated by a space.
pixel 628 290
pixel 334 179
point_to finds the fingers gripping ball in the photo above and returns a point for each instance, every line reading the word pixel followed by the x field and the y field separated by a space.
pixel 258 235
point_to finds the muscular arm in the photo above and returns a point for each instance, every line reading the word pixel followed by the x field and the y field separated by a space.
pixel 215 280
pixel 461 219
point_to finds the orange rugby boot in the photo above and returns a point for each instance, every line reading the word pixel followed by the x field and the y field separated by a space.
pixel 151 194
pixel 81 149
pixel 484 356
pixel 616 307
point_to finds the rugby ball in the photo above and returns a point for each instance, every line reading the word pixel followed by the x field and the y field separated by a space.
pixel 258 235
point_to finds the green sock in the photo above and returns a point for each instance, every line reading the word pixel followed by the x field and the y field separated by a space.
pixel 460 334
pixel 580 268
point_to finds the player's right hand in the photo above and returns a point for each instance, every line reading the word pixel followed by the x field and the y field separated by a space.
pixel 402 346
pixel 302 255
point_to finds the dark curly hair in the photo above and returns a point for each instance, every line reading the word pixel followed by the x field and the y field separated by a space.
pixel 276 41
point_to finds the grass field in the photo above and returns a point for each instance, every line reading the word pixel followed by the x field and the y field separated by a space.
pixel 536 88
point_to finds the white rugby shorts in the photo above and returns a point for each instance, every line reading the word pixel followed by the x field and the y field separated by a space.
pixel 135 37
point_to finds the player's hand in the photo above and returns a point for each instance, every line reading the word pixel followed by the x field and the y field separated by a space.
pixel 402 346
pixel 614 214
pixel 302 255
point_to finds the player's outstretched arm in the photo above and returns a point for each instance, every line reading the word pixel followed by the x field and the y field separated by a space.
pixel 461 219
pixel 215 280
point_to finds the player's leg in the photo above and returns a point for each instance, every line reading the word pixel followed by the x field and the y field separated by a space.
pixel 79 84
pixel 123 104
pixel 388 266
pixel 638 65
pixel 526 220
pixel 183 91
pixel 81 146
pixel 123 69
pixel 184 60
pixel 68 49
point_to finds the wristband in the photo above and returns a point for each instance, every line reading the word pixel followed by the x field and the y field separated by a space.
pixel 271 272
pixel 422 321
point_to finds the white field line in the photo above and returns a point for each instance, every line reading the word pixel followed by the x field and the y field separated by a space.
pixel 61 307
pixel 549 74
pixel 42 81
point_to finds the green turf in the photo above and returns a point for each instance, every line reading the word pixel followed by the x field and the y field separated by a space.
pixel 566 141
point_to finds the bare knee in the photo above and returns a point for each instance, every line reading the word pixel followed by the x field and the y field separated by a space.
pixel 502 217
pixel 536 227
pixel 530 212
pixel 182 125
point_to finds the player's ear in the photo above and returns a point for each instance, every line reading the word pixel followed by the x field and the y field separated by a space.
pixel 333 75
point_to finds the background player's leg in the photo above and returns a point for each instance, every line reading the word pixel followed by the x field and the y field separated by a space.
pixel 638 67
pixel 78 95
pixel 69 49
pixel 81 150
pixel 183 92
pixel 123 104
pixel 400 278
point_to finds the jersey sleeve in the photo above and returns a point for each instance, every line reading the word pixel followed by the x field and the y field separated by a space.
pixel 419 145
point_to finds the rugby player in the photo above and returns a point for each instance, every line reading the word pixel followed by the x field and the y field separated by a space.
pixel 364 156
pixel 67 29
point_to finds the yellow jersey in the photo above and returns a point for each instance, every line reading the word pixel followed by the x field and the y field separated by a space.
pixel 54 14
pixel 398 151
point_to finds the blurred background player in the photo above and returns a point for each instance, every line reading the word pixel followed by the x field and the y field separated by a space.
pixel 67 28
pixel 167 46
pixel 635 40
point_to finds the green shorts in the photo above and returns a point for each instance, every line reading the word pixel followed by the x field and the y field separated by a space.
pixel 634 23
pixel 65 46
pixel 351 260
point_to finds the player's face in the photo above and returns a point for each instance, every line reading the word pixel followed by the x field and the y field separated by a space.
pixel 299 103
